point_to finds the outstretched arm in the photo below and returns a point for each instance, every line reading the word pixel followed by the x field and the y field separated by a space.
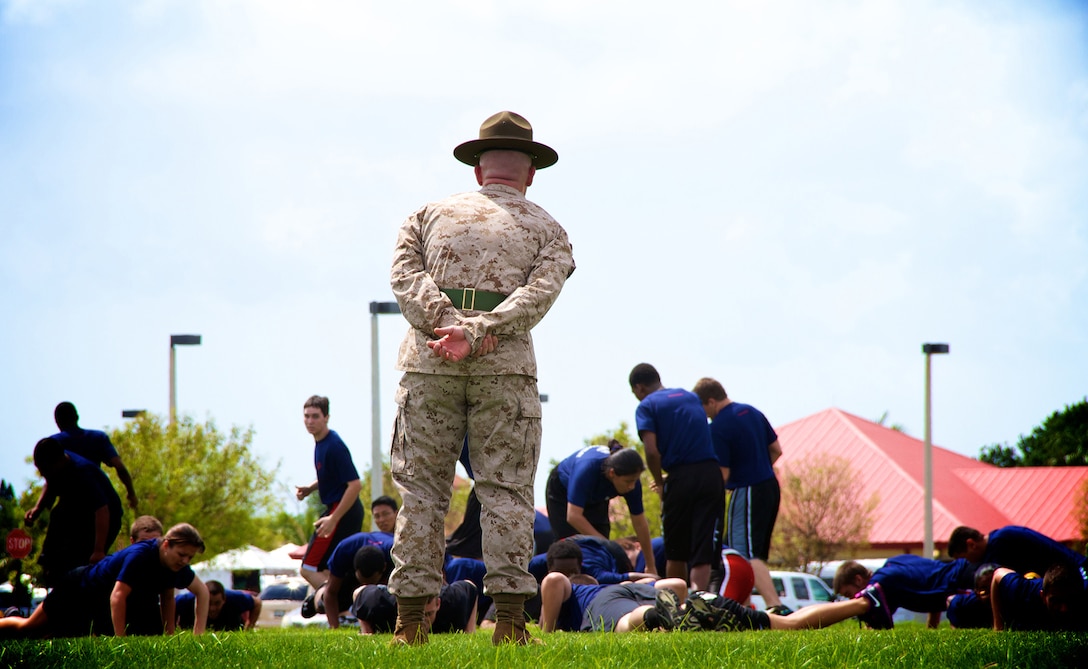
pixel 126 479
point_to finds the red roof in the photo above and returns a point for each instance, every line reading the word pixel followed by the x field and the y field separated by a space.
pixel 965 491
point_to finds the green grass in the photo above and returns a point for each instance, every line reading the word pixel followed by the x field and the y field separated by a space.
pixel 841 646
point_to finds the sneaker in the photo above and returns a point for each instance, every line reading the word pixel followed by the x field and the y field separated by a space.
pixel 667 605
pixel 879 616
pixel 721 614
pixel 780 610
pixel 309 608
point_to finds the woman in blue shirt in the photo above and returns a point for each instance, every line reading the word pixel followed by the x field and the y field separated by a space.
pixel 580 487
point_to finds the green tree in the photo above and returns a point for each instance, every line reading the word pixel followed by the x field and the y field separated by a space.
pixel 617 508
pixel 822 513
pixel 12 510
pixel 192 472
pixel 1061 441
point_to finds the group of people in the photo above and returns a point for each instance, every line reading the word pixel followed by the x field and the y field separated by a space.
pixel 473 273
pixel 130 591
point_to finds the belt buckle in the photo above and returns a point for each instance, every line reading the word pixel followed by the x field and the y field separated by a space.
pixel 468 302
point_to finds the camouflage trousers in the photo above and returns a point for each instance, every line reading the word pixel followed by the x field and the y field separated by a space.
pixel 501 417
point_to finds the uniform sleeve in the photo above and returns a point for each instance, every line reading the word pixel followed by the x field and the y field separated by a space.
pixel 596 564
pixel 421 302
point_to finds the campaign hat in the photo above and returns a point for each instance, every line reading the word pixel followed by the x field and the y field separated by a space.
pixel 506 130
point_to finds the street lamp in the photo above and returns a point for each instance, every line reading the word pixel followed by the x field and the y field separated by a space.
pixel 927 544
pixel 132 413
pixel 376 308
pixel 177 340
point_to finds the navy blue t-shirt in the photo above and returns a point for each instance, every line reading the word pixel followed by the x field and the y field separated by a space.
pixel 94 445
pixel 676 416
pixel 84 483
pixel 741 435
pixel 1024 550
pixel 1022 605
pixel 342 560
pixel 573 610
pixel 229 618
pixel 917 584
pixel 335 468
pixel 137 566
pixel 586 484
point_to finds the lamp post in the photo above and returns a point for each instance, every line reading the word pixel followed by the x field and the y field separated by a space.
pixel 177 340
pixel 132 413
pixel 376 309
pixel 927 543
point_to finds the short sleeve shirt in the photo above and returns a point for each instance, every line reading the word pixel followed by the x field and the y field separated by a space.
pixel 677 417
pixel 586 484
pixel 335 468
pixel 741 435
pixel 342 560
pixel 94 445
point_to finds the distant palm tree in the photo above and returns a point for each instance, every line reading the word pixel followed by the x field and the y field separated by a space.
pixel 898 427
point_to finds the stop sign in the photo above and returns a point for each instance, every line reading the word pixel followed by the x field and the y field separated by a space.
pixel 19 544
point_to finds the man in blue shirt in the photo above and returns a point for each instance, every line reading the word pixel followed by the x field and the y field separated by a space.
pixel 93 445
pixel 746 446
pixel 87 518
pixel 337 484
pixel 227 609
pixel 673 428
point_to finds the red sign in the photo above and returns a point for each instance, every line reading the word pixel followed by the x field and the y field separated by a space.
pixel 19 544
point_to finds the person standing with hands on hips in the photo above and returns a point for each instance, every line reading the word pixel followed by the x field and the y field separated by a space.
pixel 338 486
pixel 473 274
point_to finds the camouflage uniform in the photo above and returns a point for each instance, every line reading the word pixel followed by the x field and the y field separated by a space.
pixel 490 240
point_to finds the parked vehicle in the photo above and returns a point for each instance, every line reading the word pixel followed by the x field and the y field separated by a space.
pixel 280 597
pixel 796 590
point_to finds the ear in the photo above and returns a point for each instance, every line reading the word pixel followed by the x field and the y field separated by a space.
pixel 479 175
pixel 529 179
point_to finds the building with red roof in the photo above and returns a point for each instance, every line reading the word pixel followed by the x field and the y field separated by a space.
pixel 965 491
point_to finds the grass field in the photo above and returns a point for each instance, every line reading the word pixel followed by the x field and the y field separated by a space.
pixel 841 646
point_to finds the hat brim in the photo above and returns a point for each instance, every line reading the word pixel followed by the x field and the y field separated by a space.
pixel 542 155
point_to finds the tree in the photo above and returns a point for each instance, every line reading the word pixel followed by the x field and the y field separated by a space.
pixel 12 510
pixel 1061 441
pixel 822 511
pixel 617 508
pixel 188 472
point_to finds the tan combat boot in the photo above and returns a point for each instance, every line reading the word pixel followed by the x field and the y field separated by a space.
pixel 510 621
pixel 412 624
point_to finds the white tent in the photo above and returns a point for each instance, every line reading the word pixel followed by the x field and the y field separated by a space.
pixel 248 559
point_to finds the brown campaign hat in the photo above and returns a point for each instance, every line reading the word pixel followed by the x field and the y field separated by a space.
pixel 506 130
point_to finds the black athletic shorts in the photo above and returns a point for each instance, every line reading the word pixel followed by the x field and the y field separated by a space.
pixel 690 508
pixel 750 519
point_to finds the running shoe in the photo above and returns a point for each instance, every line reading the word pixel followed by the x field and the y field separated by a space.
pixel 879 616
pixel 667 605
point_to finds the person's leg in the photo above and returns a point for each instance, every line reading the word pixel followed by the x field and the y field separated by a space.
pixel 555 497
pixel 427 439
pixel 554 590
pixel 820 615
pixel 677 533
pixel 740 539
pixel 635 621
pixel 764 500
pixel 677 585
pixel 504 447
pixel 705 484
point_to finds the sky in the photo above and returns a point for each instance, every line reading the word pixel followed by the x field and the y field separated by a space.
pixel 788 196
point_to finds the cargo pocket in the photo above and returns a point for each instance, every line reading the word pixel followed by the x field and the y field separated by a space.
pixel 521 463
pixel 399 460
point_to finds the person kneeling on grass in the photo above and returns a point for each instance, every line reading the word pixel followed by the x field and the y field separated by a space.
pixel 453 610
pixel 578 603
pixel 95 598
